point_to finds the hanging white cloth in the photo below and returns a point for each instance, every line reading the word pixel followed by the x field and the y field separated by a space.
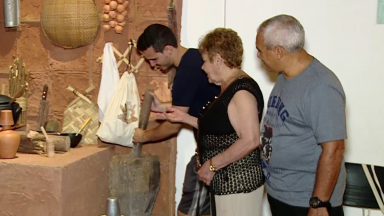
pixel 109 80
pixel 121 118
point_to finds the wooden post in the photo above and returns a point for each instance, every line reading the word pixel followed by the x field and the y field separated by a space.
pixel 172 24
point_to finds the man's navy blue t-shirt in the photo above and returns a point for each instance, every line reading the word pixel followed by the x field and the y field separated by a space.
pixel 190 86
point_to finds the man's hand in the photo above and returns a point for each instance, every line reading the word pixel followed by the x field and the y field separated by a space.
pixel 163 131
pixel 318 212
pixel 156 105
pixel 139 136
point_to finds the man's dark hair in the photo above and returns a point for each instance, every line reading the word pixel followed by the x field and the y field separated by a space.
pixel 158 36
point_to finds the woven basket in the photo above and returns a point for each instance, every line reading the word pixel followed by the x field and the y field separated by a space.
pixel 70 23
pixel 76 113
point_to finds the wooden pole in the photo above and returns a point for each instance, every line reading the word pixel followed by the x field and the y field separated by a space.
pixel 143 120
pixel 172 24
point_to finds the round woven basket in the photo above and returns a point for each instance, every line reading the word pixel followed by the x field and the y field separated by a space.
pixel 70 23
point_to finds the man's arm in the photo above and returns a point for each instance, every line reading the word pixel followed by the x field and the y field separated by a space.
pixel 328 169
pixel 326 115
pixel 163 131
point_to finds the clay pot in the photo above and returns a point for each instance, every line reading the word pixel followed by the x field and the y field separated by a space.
pixel 6 118
pixel 9 139
pixel 9 143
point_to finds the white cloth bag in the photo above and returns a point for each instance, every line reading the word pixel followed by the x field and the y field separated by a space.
pixel 109 80
pixel 112 128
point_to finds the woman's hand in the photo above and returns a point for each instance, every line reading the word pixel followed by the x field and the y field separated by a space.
pixel 204 174
pixel 173 115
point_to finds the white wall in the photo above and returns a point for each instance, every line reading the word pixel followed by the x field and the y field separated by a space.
pixel 194 25
pixel 341 34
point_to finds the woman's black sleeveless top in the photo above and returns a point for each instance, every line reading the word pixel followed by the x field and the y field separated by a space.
pixel 216 135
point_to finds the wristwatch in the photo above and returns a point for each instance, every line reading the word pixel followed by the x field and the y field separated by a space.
pixel 212 168
pixel 315 202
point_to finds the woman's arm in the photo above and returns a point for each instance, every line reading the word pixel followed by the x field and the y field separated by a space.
pixel 191 120
pixel 243 115
pixel 175 115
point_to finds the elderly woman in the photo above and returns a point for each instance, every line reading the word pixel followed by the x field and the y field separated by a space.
pixel 228 129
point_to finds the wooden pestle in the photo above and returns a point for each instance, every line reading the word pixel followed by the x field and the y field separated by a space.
pixel 143 121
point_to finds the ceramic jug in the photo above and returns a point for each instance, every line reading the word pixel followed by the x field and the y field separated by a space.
pixel 9 139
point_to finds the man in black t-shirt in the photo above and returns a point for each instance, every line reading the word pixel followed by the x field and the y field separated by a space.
pixel 190 92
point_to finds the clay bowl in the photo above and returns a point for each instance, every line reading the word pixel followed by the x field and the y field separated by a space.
pixel 75 140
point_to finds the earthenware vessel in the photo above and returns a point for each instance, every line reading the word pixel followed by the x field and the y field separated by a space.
pixel 9 139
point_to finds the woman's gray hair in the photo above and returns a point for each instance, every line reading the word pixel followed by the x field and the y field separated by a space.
pixel 283 30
